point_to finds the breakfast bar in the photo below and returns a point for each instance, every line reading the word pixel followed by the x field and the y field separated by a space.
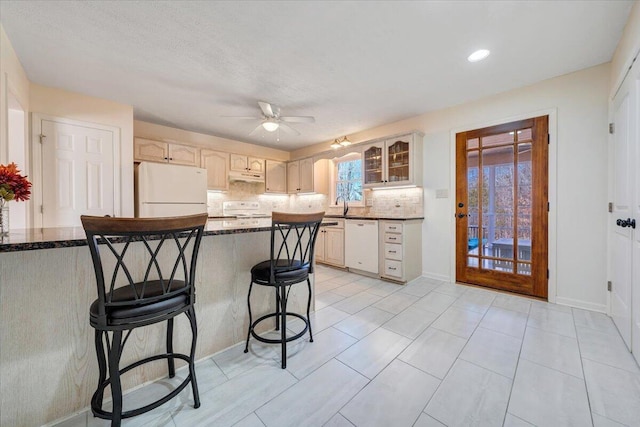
pixel 48 365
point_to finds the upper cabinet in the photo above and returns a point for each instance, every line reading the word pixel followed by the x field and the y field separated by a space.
pixel 276 177
pixel 392 162
pixel 165 152
pixel 217 164
pixel 300 176
pixel 242 163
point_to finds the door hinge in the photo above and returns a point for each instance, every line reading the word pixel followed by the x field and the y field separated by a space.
pixel 42 138
pixel 548 138
pixel 547 273
pixel 612 128
pixel 41 209
pixel 548 207
pixel 609 285
pixel 610 207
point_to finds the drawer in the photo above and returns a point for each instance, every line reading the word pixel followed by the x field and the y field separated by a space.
pixel 339 221
pixel 393 227
pixel 393 251
pixel 392 238
pixel 393 268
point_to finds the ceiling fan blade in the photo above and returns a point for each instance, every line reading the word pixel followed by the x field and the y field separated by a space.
pixel 253 132
pixel 266 108
pixel 242 117
pixel 288 129
pixel 298 119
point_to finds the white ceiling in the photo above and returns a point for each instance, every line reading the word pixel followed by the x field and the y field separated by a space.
pixel 353 65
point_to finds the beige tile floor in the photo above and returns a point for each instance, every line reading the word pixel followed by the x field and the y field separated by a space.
pixel 425 354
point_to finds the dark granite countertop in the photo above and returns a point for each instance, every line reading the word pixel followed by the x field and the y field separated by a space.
pixel 66 237
pixel 387 218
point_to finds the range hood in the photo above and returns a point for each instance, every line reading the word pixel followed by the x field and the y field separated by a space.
pixel 246 176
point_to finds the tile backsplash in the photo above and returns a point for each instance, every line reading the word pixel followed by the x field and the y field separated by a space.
pixel 402 202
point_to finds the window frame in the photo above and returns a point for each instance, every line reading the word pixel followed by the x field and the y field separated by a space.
pixel 334 178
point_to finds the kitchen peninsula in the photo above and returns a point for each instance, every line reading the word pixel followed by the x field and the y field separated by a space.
pixel 48 365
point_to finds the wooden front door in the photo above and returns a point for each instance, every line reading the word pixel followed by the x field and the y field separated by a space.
pixel 502 206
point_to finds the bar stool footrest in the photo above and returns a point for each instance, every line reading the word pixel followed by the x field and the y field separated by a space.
pixel 107 415
pixel 278 341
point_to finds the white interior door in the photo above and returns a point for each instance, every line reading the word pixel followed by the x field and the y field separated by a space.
pixel 625 261
pixel 77 173
pixel 634 124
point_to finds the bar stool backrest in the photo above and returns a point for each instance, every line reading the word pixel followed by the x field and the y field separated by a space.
pixel 293 238
pixel 171 249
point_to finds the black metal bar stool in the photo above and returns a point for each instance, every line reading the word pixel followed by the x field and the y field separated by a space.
pixel 130 297
pixel 293 238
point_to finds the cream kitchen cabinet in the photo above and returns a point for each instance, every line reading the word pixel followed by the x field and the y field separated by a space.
pixel 165 152
pixel 300 176
pixel 217 165
pixel 242 163
pixel 400 249
pixel 330 244
pixel 393 162
pixel 276 177
pixel 361 245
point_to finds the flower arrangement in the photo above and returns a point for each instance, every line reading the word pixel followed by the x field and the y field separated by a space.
pixel 13 186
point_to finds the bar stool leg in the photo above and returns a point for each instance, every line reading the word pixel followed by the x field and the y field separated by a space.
pixel 308 310
pixel 191 314
pixel 277 308
pixel 102 367
pixel 170 360
pixel 246 348
pixel 283 332
pixel 114 378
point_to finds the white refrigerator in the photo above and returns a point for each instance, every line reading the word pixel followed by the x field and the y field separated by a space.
pixel 162 189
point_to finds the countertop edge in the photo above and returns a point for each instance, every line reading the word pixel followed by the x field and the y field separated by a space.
pixel 75 242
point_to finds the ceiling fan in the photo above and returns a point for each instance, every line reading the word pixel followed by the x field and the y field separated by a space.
pixel 271 120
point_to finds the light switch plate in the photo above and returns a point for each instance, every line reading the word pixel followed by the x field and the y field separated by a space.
pixel 442 193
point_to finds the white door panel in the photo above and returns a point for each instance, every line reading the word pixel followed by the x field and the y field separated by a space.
pixel 625 239
pixel 77 173
pixel 634 125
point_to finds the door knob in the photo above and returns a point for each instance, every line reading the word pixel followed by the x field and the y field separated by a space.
pixel 461 215
pixel 460 205
pixel 619 223
pixel 631 223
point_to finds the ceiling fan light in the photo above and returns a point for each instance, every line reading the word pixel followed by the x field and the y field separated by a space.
pixel 345 142
pixel 270 125
pixel 335 144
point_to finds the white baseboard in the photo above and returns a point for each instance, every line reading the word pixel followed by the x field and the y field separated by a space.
pixel 435 276
pixel 601 308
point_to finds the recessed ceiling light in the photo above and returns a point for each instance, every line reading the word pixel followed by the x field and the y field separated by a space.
pixel 478 55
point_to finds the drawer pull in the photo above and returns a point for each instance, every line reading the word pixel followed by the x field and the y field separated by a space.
pixel 392 252
pixel 392 228
pixel 360 225
pixel 392 268
pixel 392 238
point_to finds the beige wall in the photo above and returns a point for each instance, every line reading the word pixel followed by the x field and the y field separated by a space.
pixel 75 106
pixel 168 134
pixel 12 79
pixel 578 186
pixel 627 48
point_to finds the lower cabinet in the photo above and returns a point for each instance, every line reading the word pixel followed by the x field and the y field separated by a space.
pixel 330 244
pixel 400 249
pixel 361 245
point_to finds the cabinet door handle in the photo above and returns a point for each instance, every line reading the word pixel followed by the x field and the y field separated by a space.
pixel 392 268
pixel 392 252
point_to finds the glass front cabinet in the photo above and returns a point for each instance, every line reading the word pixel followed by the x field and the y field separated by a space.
pixel 394 161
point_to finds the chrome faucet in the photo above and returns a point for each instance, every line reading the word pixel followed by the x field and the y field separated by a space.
pixel 345 205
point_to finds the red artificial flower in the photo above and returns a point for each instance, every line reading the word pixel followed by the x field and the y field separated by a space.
pixel 13 186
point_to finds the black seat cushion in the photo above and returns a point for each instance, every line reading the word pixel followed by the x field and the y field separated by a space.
pixel 285 273
pixel 151 305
